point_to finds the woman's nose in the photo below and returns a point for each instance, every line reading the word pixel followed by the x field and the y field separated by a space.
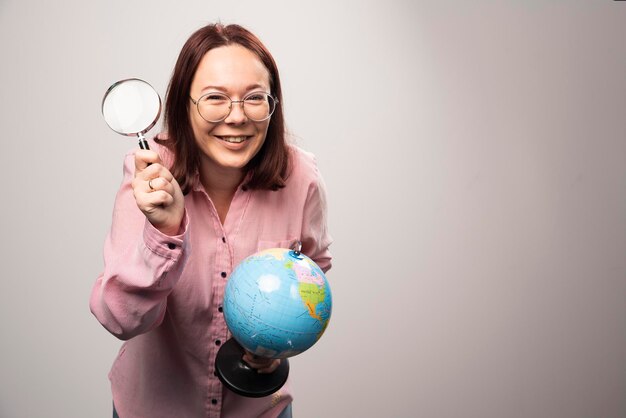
pixel 237 115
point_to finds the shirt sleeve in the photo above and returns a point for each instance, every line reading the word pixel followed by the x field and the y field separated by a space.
pixel 315 236
pixel 141 267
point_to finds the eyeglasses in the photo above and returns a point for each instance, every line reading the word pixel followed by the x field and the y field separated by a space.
pixel 215 107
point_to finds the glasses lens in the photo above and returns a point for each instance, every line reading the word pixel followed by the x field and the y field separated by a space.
pixel 214 107
pixel 259 106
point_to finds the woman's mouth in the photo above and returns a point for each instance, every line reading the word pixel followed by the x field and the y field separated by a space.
pixel 233 139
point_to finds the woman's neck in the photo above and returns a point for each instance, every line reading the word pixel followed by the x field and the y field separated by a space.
pixel 220 184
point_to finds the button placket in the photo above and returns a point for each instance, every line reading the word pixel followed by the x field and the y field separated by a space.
pixel 222 261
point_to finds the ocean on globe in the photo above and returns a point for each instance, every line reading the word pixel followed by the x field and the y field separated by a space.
pixel 277 303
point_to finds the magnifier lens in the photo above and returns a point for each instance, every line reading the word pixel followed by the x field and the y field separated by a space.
pixel 131 107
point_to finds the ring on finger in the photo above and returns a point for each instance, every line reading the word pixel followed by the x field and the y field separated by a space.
pixel 150 184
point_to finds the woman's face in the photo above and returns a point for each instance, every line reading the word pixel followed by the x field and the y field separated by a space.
pixel 236 72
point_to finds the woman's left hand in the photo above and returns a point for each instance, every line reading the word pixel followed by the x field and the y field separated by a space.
pixel 261 364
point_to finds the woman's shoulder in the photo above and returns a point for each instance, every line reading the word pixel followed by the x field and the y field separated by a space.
pixel 303 165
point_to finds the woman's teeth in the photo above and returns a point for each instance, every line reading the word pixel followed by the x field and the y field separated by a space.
pixel 233 139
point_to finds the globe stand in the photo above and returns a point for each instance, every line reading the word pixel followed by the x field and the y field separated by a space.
pixel 242 379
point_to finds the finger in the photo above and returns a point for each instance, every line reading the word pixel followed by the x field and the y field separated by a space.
pixel 156 170
pixel 271 368
pixel 253 358
pixel 144 158
pixel 159 183
pixel 261 363
pixel 255 362
pixel 147 181
pixel 158 199
pixel 153 171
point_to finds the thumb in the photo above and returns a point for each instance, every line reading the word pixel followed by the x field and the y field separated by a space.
pixel 144 158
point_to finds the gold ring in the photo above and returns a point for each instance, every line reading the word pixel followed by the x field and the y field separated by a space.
pixel 150 184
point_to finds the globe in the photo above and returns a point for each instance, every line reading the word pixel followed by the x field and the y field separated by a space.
pixel 277 303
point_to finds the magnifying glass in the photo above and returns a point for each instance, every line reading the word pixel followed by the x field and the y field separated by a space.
pixel 131 107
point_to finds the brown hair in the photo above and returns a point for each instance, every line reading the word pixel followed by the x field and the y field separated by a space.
pixel 269 166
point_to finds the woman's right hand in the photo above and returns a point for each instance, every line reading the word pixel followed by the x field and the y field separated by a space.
pixel 157 193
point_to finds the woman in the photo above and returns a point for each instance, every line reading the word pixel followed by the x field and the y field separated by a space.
pixel 221 185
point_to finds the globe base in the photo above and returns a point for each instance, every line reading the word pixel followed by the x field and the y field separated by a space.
pixel 242 379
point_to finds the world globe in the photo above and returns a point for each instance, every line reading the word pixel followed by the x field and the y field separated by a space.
pixel 277 303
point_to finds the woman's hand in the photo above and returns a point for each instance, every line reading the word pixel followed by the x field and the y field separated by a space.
pixel 261 364
pixel 157 193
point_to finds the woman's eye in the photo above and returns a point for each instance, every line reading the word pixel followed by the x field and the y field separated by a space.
pixel 255 98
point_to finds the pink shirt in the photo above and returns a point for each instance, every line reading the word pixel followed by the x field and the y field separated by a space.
pixel 164 294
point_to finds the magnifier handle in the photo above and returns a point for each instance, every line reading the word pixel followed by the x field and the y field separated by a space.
pixel 143 144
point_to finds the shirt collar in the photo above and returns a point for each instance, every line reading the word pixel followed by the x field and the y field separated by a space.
pixel 196 184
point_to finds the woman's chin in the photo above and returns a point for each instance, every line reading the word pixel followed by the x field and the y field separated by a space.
pixel 232 162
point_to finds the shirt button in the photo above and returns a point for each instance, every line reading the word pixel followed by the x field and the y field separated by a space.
pixel 217 342
pixel 214 401
pixel 223 274
pixel 171 246
pixel 220 309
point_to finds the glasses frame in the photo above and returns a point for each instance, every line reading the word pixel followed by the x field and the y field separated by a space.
pixel 230 107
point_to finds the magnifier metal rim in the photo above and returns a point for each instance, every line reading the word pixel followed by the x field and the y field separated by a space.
pixel 156 118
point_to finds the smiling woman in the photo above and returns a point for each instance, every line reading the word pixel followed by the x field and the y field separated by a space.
pixel 233 138
pixel 221 180
pixel 230 62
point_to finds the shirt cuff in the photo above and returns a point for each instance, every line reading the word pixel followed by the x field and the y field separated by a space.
pixel 165 245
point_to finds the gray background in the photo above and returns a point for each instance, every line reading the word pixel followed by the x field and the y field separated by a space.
pixel 475 159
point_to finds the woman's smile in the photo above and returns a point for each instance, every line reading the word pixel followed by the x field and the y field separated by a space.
pixel 234 139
